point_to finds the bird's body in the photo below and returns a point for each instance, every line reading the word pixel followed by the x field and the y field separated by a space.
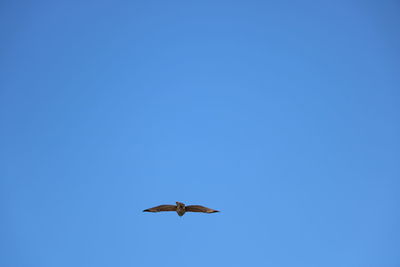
pixel 181 208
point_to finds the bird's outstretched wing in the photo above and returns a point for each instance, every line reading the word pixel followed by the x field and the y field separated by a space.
pixel 198 208
pixel 162 208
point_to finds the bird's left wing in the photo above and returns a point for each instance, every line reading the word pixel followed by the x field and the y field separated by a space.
pixel 162 208
pixel 198 208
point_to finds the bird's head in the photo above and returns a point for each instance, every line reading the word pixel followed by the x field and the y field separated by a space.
pixel 180 204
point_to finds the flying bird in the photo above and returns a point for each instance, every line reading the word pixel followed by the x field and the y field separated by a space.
pixel 181 208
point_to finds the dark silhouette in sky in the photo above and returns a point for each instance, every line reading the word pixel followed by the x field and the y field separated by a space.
pixel 181 209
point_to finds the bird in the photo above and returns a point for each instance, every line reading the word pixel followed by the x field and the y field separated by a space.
pixel 181 208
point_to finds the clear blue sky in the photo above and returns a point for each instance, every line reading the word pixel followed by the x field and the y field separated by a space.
pixel 284 115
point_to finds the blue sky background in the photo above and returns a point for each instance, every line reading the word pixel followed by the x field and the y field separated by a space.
pixel 283 115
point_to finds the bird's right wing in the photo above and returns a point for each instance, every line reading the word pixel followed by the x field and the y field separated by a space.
pixel 198 208
pixel 162 208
